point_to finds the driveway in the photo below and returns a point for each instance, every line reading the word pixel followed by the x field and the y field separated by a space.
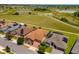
pixel 16 48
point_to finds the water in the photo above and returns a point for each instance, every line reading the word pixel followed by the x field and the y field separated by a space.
pixel 67 11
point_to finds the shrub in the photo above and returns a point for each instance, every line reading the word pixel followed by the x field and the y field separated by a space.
pixel 41 9
pixel 64 19
pixel 76 14
pixel 49 34
pixel 20 41
pixel 49 49
pixel 1 32
pixel 8 36
pixel 29 13
pixel 42 48
pixel 17 13
pixel 7 49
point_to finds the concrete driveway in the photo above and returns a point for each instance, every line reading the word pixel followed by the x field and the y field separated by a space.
pixel 16 48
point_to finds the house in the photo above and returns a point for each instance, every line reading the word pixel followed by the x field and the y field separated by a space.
pixel 57 41
pixel 35 37
pixel 21 31
pixel 75 49
pixel 2 23
pixel 11 27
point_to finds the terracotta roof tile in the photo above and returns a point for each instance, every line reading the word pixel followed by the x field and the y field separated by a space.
pixel 38 34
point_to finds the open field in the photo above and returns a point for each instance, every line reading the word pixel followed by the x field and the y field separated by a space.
pixel 69 16
pixel 42 21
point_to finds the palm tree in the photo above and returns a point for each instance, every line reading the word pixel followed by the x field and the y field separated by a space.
pixel 7 49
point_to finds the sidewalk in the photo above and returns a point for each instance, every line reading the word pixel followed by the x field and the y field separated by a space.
pixel 30 47
pixel 15 41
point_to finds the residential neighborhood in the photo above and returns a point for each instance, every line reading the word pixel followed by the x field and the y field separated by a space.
pixel 33 37
pixel 39 29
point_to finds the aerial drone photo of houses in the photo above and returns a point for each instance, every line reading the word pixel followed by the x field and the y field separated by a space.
pixel 39 29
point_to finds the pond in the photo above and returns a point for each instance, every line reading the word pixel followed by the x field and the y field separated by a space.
pixel 67 11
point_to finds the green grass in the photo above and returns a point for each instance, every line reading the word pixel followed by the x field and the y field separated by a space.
pixel 42 21
pixel 70 17
pixel 9 11
pixel 71 41
pixel 48 49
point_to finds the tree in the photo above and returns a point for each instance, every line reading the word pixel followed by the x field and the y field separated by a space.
pixel 41 9
pixel 1 32
pixel 29 13
pixel 39 27
pixel 8 36
pixel 42 48
pixel 7 49
pixel 3 20
pixel 64 19
pixel 20 41
pixel 76 14
pixel 34 28
pixel 49 34
pixel 22 32
pixel 16 13
pixel 25 25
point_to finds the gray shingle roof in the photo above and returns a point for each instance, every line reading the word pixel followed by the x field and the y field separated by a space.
pixel 11 28
pixel 57 39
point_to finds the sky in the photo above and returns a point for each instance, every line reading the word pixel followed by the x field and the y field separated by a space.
pixel 39 1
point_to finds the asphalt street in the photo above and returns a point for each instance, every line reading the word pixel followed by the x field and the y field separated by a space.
pixel 16 48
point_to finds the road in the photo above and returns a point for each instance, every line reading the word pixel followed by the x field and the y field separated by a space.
pixel 16 48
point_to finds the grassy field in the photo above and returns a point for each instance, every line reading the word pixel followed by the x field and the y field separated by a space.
pixel 46 22
pixel 42 21
pixel 69 16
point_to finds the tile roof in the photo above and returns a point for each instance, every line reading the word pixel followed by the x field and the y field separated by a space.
pixel 26 30
pixel 37 34
pixel 2 24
